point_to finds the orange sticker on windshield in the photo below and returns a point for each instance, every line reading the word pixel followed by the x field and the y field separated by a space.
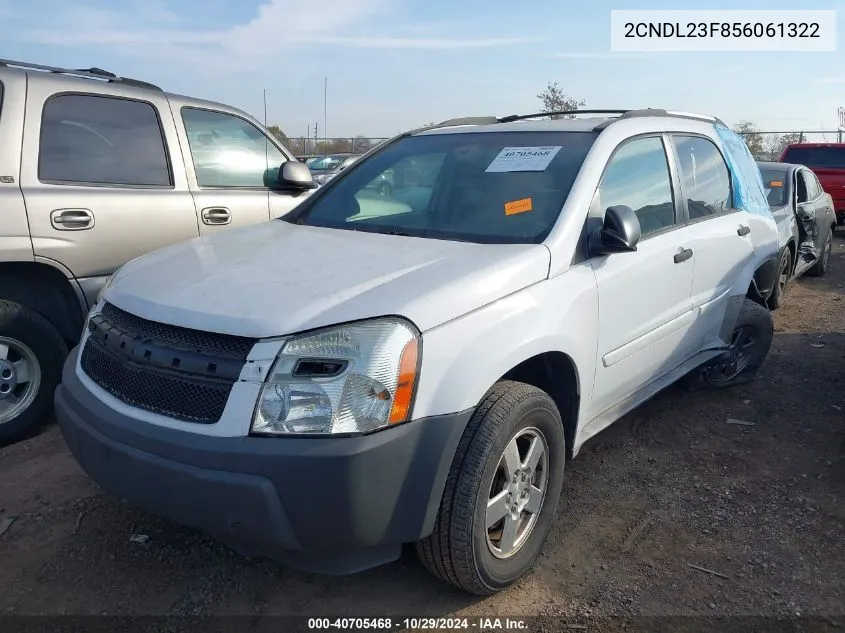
pixel 776 183
pixel 518 206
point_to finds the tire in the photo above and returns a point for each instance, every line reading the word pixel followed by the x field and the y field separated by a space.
pixel 820 267
pixel 753 318
pixel 782 281
pixel 27 336
pixel 461 549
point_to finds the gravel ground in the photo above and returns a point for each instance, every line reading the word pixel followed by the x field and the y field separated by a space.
pixel 649 505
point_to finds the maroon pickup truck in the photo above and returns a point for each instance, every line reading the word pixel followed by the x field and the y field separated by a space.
pixel 827 160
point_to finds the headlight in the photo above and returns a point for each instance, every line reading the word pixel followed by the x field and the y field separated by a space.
pixel 353 378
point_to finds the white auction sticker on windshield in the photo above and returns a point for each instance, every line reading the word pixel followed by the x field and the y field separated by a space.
pixel 523 159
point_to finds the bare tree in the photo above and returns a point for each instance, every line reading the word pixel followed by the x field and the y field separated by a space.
pixel 752 137
pixel 776 143
pixel 554 99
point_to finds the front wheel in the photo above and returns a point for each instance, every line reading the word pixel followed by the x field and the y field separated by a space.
pixel 749 345
pixel 31 356
pixel 782 281
pixel 502 492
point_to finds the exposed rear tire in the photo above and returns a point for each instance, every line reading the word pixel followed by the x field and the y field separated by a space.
pixel 750 344
pixel 32 353
pixel 469 547
pixel 782 282
pixel 820 267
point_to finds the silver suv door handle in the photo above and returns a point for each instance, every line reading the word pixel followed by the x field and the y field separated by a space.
pixel 71 219
pixel 742 231
pixel 216 215
pixel 683 255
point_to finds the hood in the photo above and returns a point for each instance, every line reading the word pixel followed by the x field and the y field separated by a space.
pixel 277 278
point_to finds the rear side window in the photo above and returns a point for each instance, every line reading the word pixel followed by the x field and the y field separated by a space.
pixel 830 157
pixel 774 184
pixel 637 176
pixel 101 140
pixel 704 176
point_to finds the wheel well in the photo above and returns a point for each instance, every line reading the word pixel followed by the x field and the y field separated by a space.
pixel 45 290
pixel 755 295
pixel 554 373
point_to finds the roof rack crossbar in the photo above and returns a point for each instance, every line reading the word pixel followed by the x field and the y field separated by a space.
pixel 90 73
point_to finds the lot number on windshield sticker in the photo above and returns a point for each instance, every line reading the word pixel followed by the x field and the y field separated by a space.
pixel 523 159
pixel 518 206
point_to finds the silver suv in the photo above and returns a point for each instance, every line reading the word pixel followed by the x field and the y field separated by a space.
pixel 95 170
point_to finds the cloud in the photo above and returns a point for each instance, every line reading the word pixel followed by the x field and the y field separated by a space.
pixel 149 28
pixel 595 55
pixel 830 80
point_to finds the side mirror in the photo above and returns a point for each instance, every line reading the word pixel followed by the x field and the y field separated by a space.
pixel 295 176
pixel 620 233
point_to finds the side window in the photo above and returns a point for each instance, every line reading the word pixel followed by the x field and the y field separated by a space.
pixel 705 177
pixel 814 190
pixel 638 177
pixel 804 190
pixel 228 151
pixel 101 140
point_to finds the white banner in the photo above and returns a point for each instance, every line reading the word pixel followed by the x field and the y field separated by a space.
pixel 723 30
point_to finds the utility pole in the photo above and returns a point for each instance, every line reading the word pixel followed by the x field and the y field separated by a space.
pixel 325 110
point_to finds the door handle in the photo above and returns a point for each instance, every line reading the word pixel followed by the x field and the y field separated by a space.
pixel 743 230
pixel 71 219
pixel 683 255
pixel 216 215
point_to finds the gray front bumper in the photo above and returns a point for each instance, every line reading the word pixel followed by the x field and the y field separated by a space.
pixel 333 505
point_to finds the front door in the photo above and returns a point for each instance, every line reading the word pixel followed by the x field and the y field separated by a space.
pixel 232 165
pixel 645 310
pixel 107 182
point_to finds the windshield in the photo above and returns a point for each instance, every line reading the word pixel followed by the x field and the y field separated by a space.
pixel 503 187
pixel 774 182
pixel 832 157
pixel 325 163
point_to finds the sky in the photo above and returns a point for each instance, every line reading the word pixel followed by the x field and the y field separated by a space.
pixel 392 65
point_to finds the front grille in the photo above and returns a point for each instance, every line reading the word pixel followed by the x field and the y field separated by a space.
pixel 178 337
pixel 174 371
pixel 180 397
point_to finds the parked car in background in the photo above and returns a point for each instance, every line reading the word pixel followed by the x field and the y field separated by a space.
pixel 371 371
pixel 308 159
pixel 327 167
pixel 806 222
pixel 95 170
pixel 827 160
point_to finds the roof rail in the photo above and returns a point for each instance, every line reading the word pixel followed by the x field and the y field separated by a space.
pixel 520 117
pixel 648 112
pixel 89 73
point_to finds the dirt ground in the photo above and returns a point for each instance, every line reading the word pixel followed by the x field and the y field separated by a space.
pixel 671 486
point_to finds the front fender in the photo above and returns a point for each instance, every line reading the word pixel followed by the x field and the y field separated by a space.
pixel 464 357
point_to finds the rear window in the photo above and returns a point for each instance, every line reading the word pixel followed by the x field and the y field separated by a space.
pixel 498 188
pixel 832 157
pixel 774 184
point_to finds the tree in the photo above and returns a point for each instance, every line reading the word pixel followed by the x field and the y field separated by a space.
pixel 554 99
pixel 276 131
pixel 752 137
pixel 776 143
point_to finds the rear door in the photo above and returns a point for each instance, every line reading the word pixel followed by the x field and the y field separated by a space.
pixel 721 235
pixel 232 164
pixel 102 178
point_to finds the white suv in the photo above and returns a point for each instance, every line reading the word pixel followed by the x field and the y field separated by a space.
pixel 376 370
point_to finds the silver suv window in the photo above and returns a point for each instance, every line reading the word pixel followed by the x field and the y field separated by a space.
pixel 705 178
pixel 230 152
pixel 637 176
pixel 100 140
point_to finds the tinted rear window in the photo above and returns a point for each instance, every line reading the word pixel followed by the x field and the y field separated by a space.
pixel 774 183
pixel 833 157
